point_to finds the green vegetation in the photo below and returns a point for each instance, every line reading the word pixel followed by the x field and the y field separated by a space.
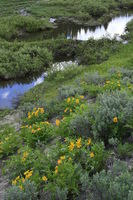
pixel 75 140
pixel 21 58
pixel 94 11
pixel 15 26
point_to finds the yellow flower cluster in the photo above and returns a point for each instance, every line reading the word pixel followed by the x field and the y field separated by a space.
pixel 72 103
pixel 114 84
pixel 18 181
pixel 14 182
pixel 25 155
pixel 34 128
pixel 71 146
pixel 35 112
pixel 78 143
pixel 28 174
pixel 59 161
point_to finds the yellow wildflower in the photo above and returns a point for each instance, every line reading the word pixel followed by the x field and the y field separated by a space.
pixel 56 169
pixel 77 101
pixel 41 110
pixel 81 97
pixel 25 154
pixel 7 138
pixel 59 162
pixel 44 178
pixel 29 174
pixel 21 187
pixel 70 110
pixel 107 82
pixel 33 131
pixel 69 158
pixel 14 182
pixel 89 141
pixel 91 154
pixel 78 143
pixel 25 173
pixel 62 157
pixel 23 180
pixel 18 177
pixel 115 119
pixel 57 122
pixel 29 115
pixel 68 100
pixel 65 110
pixel 71 146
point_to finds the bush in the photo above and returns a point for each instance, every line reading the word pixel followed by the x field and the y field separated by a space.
pixel 125 150
pixel 13 26
pixel 40 132
pixel 81 124
pixel 68 91
pixel 94 78
pixel 23 60
pixel 95 51
pixel 9 142
pixel 27 191
pixel 113 116
pixel 114 184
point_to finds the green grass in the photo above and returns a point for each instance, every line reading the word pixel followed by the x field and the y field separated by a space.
pixel 99 10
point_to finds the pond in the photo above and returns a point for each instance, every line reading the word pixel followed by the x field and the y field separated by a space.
pixel 79 32
pixel 11 91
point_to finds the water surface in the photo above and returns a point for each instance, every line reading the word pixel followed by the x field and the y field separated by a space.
pixel 79 32
pixel 11 91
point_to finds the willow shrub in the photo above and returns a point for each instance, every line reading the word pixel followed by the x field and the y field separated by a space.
pixel 13 26
pixel 23 60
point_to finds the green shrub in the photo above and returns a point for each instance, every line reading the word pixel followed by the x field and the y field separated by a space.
pixel 23 60
pixel 95 51
pixel 39 132
pixel 13 26
pixel 81 125
pixel 114 184
pixel 68 91
pixel 29 192
pixel 125 150
pixel 9 141
pixel 94 78
pixel 113 116
pixel 26 159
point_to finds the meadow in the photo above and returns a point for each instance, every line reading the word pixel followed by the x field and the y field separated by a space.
pixel 75 139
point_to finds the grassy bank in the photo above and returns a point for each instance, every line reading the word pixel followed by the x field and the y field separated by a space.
pixel 95 11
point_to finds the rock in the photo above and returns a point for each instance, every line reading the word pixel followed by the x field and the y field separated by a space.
pixel 23 12
pixel 13 119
